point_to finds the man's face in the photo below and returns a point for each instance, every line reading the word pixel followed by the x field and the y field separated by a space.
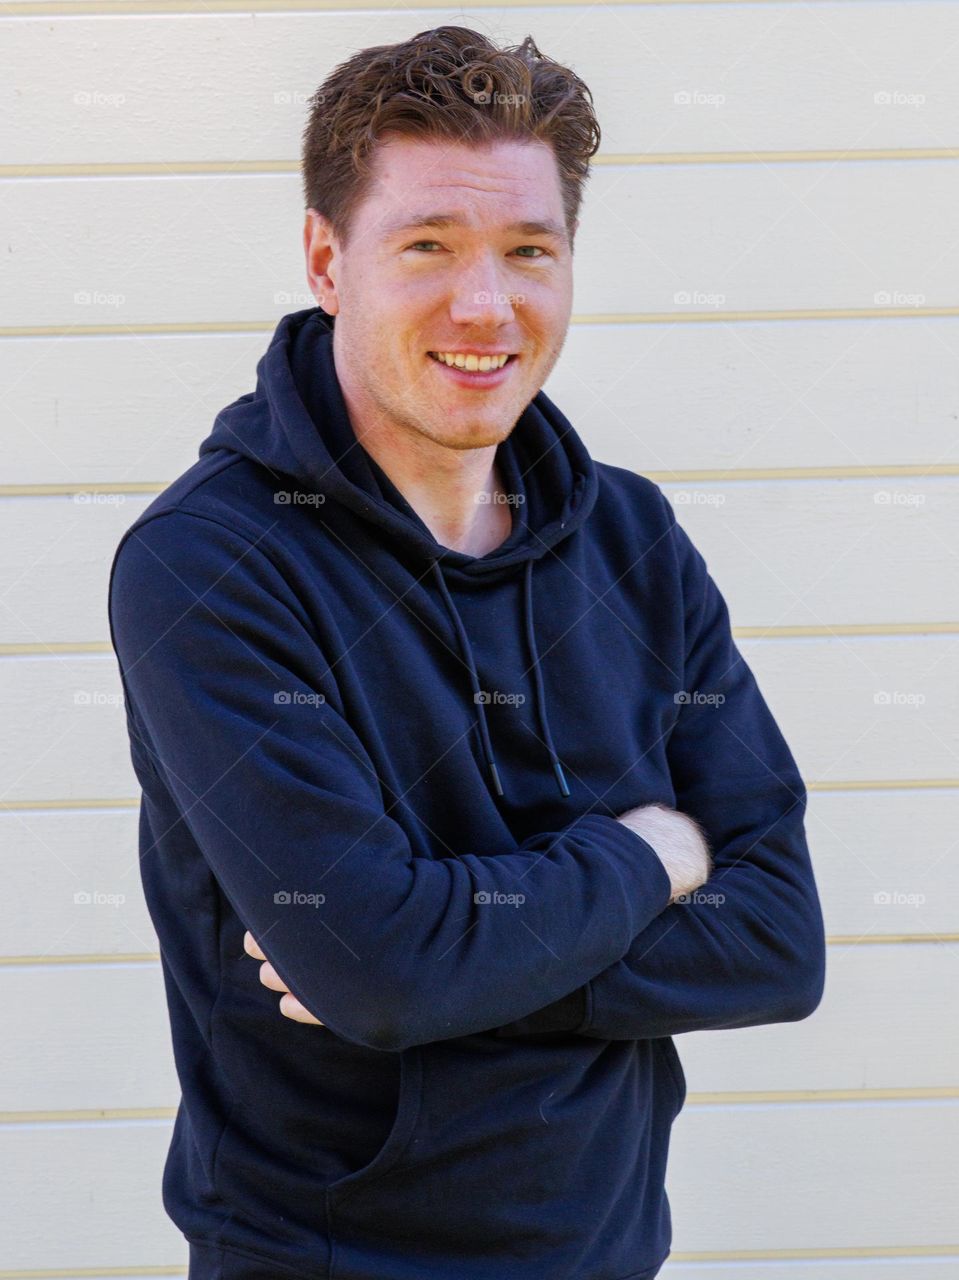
pixel 404 288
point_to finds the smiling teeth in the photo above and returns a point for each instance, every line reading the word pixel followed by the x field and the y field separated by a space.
pixel 473 364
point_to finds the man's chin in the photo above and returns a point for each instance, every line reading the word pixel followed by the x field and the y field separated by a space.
pixel 480 438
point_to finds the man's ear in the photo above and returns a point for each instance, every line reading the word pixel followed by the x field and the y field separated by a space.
pixel 319 247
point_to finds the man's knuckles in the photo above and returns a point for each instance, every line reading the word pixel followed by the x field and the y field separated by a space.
pixel 252 947
pixel 270 978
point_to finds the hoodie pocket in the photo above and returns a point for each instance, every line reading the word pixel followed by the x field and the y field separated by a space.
pixel 533 1157
pixel 404 1121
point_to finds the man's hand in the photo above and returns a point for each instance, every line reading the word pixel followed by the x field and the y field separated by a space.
pixel 290 1007
pixel 679 842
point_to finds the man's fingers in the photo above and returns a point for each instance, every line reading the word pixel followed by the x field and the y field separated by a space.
pixel 270 978
pixel 291 1008
pixel 252 947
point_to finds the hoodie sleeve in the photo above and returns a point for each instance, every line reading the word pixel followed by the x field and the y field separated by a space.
pixel 236 713
pixel 747 947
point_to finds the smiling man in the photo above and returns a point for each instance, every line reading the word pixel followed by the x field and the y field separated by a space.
pixel 442 721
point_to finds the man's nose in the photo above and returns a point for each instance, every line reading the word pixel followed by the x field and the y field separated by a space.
pixel 482 297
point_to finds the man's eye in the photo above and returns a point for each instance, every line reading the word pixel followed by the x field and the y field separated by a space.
pixel 537 249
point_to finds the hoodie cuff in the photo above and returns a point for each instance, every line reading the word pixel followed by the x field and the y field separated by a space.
pixel 648 893
pixel 566 1016
pixel 647 888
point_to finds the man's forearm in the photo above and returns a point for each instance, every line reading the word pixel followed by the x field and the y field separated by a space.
pixel 745 949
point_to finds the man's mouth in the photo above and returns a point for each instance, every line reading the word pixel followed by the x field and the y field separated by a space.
pixel 474 369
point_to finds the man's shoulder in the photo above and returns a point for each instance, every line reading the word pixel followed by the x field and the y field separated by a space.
pixel 218 495
pixel 632 483
pixel 206 533
pixel 633 497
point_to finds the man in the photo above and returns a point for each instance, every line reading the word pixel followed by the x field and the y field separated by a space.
pixel 442 721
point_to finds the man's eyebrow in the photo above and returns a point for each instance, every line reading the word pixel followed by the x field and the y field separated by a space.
pixel 441 221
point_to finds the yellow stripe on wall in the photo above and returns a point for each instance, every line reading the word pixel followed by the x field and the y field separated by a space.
pixel 742 1098
pixel 182 168
pixel 800 631
pixel 710 475
pixel 713 316
pixel 105 7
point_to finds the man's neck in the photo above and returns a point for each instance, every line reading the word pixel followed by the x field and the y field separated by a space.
pixel 457 493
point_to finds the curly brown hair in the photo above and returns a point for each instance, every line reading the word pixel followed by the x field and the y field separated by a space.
pixel 447 83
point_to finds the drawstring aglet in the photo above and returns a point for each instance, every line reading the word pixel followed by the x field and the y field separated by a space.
pixel 560 777
pixel 496 782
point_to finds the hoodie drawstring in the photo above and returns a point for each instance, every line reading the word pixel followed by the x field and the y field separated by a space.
pixel 538 682
pixel 478 699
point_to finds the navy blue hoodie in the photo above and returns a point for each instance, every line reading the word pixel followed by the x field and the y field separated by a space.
pixel 399 766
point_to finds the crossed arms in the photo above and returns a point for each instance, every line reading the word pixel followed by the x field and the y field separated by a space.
pixel 274 793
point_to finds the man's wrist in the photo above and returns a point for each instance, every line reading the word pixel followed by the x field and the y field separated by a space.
pixel 677 840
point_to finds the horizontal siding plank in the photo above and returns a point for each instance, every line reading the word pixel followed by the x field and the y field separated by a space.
pixel 778 236
pixel 72 884
pixel 139 83
pixel 799 1177
pixel 112 1048
pixel 651 397
pixel 797 553
pixel 885 861
pixel 86 1196
pixel 834 551
pixel 874 1029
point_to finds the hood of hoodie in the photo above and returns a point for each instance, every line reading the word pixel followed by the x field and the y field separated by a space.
pixel 296 422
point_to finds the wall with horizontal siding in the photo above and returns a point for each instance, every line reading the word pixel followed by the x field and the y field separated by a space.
pixel 766 322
